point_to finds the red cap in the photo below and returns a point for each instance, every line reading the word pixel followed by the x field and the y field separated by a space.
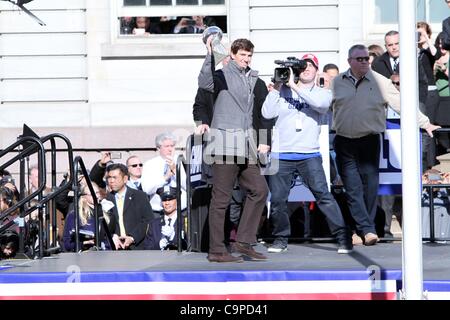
pixel 312 58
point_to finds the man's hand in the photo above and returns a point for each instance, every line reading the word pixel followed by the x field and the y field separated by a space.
pixel 163 243
pixel 168 232
pixel 431 128
pixel 117 242
pixel 201 129
pixel 172 168
pixel 208 44
pixel 263 148
pixel 291 83
pixel 274 86
pixel 105 158
pixel 126 241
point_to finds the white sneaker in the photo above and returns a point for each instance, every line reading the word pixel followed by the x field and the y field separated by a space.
pixel 277 248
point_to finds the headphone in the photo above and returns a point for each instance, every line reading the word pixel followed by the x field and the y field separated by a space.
pixel 7 195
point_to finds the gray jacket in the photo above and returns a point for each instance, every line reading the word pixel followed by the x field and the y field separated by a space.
pixel 231 131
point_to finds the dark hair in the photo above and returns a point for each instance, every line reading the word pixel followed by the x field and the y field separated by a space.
pixel 242 44
pixel 4 172
pixel 118 166
pixel 330 66
pixel 7 195
pixel 9 239
pixel 375 50
pixel 438 40
pixel 356 47
pixel 424 25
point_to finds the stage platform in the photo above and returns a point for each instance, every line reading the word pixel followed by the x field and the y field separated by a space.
pixel 305 271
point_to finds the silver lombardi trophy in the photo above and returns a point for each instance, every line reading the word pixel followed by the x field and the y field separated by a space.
pixel 218 49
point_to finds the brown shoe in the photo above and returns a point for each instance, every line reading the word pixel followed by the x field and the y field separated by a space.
pixel 370 239
pixel 248 250
pixel 223 257
pixel 356 240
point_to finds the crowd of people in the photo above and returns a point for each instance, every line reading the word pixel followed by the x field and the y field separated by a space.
pixel 146 26
pixel 128 211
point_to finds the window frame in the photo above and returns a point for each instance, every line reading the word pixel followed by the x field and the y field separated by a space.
pixel 373 29
pixel 158 46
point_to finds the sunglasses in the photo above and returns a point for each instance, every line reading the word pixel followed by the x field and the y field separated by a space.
pixel 136 165
pixel 361 59
pixel 396 83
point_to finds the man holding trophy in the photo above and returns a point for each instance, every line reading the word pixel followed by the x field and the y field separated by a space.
pixel 234 143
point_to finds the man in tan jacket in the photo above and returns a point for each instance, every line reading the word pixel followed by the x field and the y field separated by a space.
pixel 360 97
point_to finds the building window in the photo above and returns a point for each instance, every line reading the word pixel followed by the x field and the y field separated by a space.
pixel 153 17
pixel 432 11
pixel 438 11
pixel 170 2
pixel 146 26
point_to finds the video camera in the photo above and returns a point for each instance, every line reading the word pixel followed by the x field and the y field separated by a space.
pixel 283 74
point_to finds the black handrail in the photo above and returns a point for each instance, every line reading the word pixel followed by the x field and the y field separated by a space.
pixel 41 161
pixel 38 146
pixel 55 189
pixel 188 191
pixel 180 162
pixel 79 164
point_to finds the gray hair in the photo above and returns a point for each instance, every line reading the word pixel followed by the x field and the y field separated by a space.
pixel 164 136
pixel 391 33
pixel 356 47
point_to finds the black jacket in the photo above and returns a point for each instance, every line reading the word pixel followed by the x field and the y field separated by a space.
pixel 382 65
pixel 137 213
pixel 154 235
pixel 97 173
pixel 446 34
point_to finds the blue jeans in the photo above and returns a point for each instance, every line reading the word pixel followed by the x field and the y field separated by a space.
pixel 313 176
pixel 358 164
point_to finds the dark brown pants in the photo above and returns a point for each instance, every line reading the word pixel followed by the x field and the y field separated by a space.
pixel 224 177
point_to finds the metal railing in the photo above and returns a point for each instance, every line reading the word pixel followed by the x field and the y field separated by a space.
pixel 180 162
pixel 79 164
pixel 37 146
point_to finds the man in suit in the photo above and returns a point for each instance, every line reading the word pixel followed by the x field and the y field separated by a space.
pixel 134 165
pixel 388 64
pixel 131 212
pixel 162 234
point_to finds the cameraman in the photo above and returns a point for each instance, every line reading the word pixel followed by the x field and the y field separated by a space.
pixel 300 108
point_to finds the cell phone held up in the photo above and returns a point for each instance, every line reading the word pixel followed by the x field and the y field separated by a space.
pixel 321 82
pixel 115 155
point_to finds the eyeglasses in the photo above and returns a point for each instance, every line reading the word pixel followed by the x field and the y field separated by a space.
pixel 136 165
pixel 361 59
pixel 398 82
